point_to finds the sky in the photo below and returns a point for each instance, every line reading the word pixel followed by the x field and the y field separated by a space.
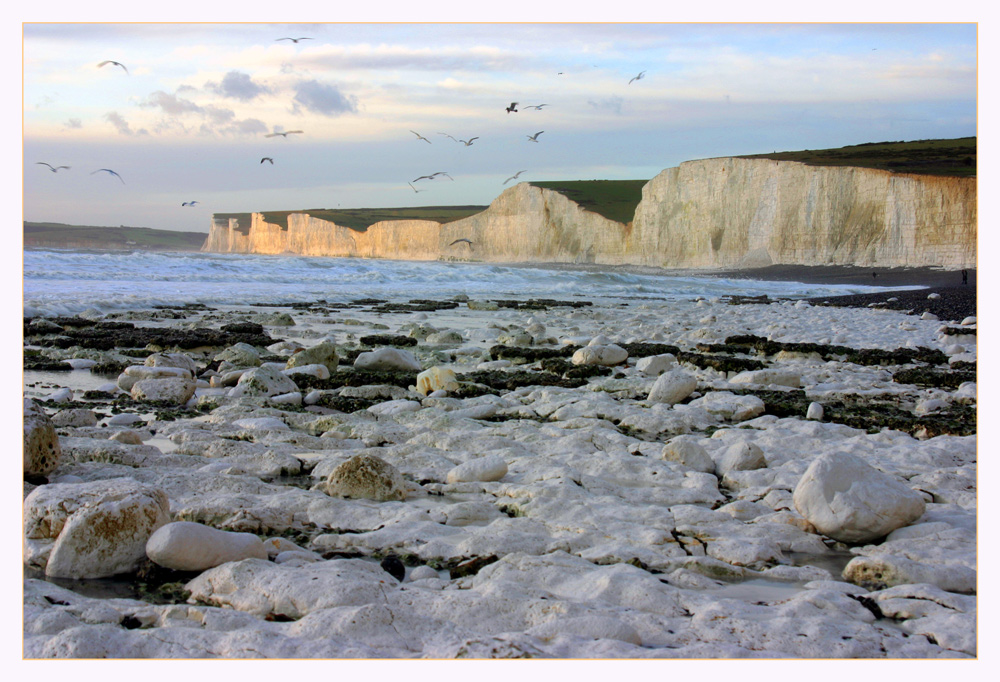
pixel 187 117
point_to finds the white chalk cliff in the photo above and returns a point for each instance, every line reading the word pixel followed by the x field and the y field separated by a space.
pixel 714 213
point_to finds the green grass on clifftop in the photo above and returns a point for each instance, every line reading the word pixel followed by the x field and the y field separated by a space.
pixel 58 235
pixel 613 199
pixel 955 157
pixel 360 218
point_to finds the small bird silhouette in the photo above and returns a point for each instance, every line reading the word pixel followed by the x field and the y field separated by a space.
pixel 421 137
pixel 639 77
pixel 458 241
pixel 54 169
pixel 284 134
pixel 108 170
pixel 468 143
pixel 445 134
pixel 418 191
pixel 189 203
pixel 108 61
pixel 514 176
pixel 268 159
pixel 512 107
pixel 294 40
pixel 535 106
pixel 434 175
pixel 534 138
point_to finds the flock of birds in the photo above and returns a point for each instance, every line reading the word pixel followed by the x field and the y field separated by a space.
pixel 512 108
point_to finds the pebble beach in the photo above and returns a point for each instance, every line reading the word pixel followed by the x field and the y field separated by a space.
pixel 468 476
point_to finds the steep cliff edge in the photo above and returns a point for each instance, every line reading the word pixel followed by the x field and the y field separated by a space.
pixel 714 213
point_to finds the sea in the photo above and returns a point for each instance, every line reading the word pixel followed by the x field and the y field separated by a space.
pixel 58 282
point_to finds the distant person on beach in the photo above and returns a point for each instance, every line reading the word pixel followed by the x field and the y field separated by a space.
pixel 965 276
pixel 874 275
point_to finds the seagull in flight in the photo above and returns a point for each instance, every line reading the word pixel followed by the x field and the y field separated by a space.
pixel 512 107
pixel 434 175
pixel 421 137
pixel 445 134
pixel 189 203
pixel 534 138
pixel 268 159
pixel 294 40
pixel 418 191
pixel 639 77
pixel 535 106
pixel 108 170
pixel 284 134
pixel 458 241
pixel 468 143
pixel 514 176
pixel 54 169
pixel 108 61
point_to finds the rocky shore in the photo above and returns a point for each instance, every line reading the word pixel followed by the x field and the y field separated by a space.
pixel 725 478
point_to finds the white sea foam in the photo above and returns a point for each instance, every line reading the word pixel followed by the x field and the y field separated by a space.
pixel 62 282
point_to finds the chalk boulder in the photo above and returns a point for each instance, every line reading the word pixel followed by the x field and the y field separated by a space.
pixel 41 444
pixel 175 391
pixel 848 500
pixel 324 353
pixel 366 477
pixel 91 530
pixel 263 381
pixel 188 546
pixel 487 468
pixel 602 354
pixel 436 379
pixel 685 451
pixel 672 387
pixel 388 360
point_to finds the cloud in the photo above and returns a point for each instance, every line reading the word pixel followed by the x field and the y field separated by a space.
pixel 120 124
pixel 611 104
pixel 74 124
pixel 170 104
pixel 236 85
pixel 321 98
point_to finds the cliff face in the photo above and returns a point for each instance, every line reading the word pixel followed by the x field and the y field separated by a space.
pixel 713 213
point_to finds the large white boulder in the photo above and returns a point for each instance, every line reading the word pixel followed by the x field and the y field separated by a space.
pixel 731 407
pixel 41 444
pixel 602 354
pixel 742 456
pixel 324 353
pixel 91 530
pixel 263 381
pixel 367 477
pixel 686 451
pixel 436 379
pixel 181 360
pixel 176 391
pixel 188 546
pixel 776 377
pixel 850 501
pixel 652 365
pixel 388 359
pixel 487 468
pixel 672 387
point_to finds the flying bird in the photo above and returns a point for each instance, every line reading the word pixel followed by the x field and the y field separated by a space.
pixel 108 61
pixel 54 169
pixel 414 188
pixel 434 175
pixel 639 77
pixel 268 159
pixel 189 203
pixel 468 143
pixel 535 106
pixel 514 176
pixel 512 107
pixel 445 134
pixel 534 138
pixel 294 40
pixel 457 241
pixel 108 170
pixel 284 134
pixel 421 137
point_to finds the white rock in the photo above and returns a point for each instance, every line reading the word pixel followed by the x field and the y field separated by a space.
pixel 672 387
pixel 126 436
pixel 388 359
pixel 436 379
pixel 930 405
pixel 654 365
pixel 366 477
pixel 261 424
pixel 324 353
pixel 850 501
pixel 174 391
pixel 392 407
pixel 81 363
pixel 968 321
pixel 743 456
pixel 768 376
pixel 929 316
pixel 608 355
pixel 180 360
pixel 317 370
pixel 188 546
pixel 292 398
pixel 239 355
pixel 285 348
pixel 41 449
pixel 486 468
pixel 934 297
pixel 728 406
pixel 815 412
pixel 125 419
pixel 91 530
pixel 685 450
pixel 263 381
pixel 423 573
pixel 75 417
pixel 61 395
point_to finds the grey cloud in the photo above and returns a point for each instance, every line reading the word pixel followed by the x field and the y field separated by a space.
pixel 610 104
pixel 239 86
pixel 322 98
pixel 171 104
pixel 74 124
pixel 115 119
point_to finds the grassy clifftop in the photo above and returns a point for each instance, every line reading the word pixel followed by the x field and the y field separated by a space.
pixel 58 235
pixel 613 199
pixel 954 158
